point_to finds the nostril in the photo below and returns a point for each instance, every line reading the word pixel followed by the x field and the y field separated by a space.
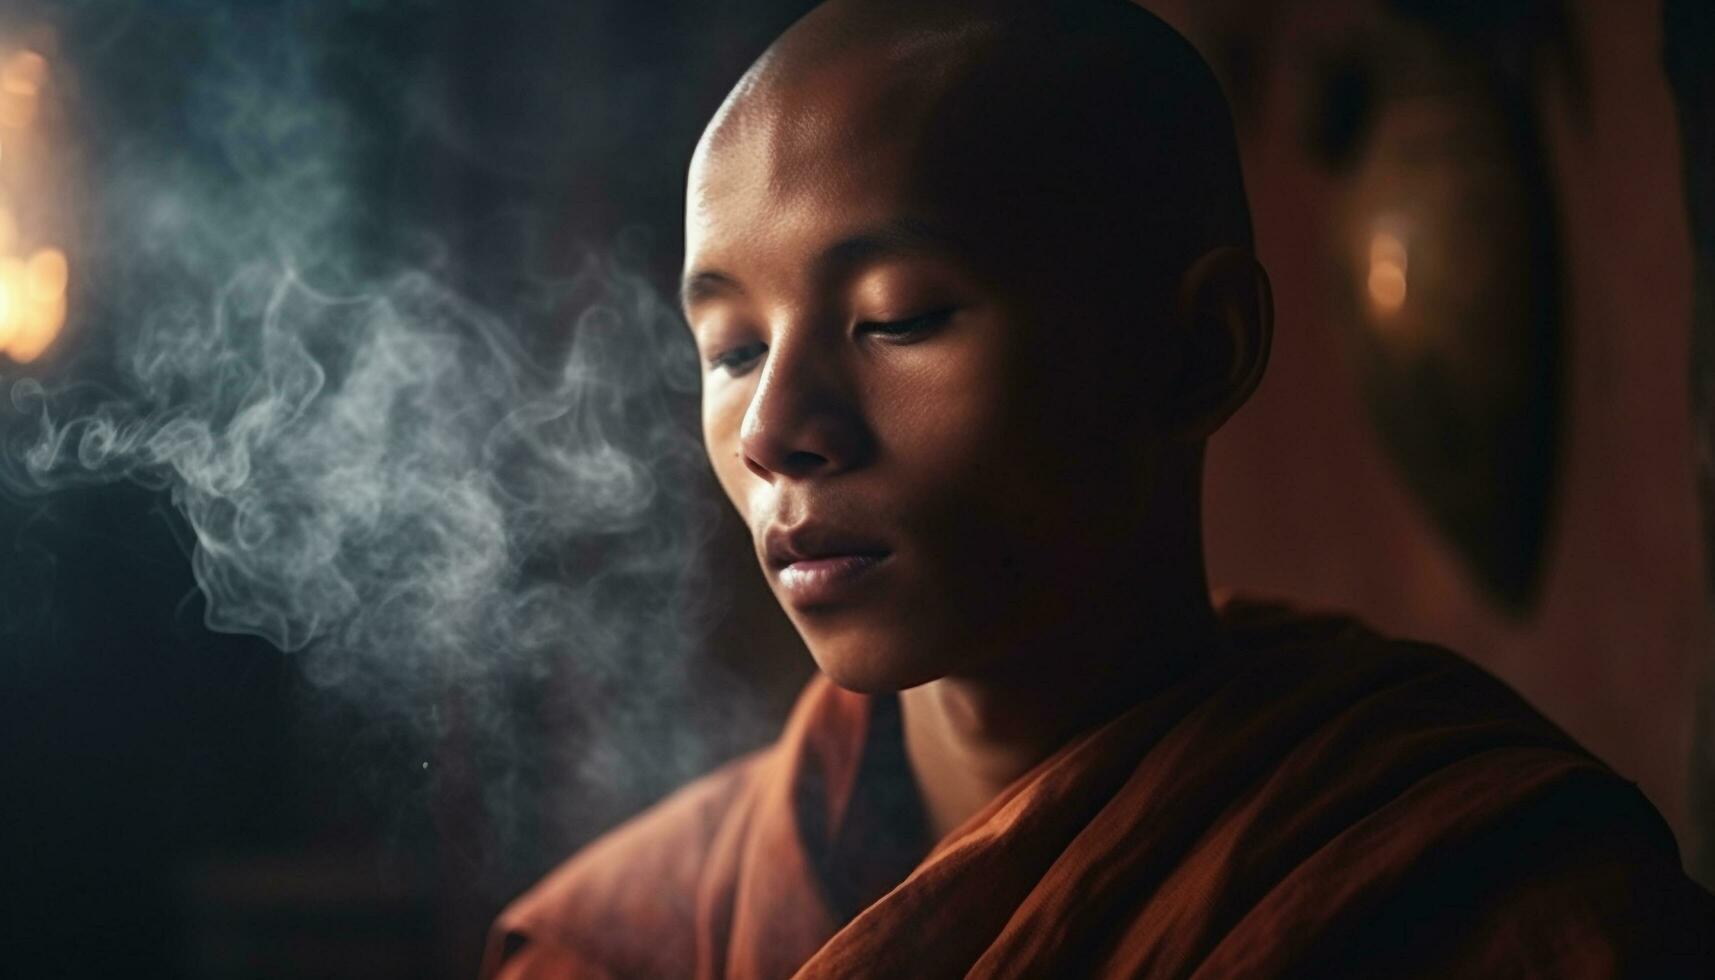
pixel 798 463
pixel 801 462
pixel 751 464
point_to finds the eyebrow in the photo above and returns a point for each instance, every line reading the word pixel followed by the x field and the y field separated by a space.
pixel 900 236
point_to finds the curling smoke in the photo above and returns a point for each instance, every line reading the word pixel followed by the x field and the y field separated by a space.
pixel 368 475
pixel 381 474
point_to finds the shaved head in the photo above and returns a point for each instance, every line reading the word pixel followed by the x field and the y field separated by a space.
pixel 1089 126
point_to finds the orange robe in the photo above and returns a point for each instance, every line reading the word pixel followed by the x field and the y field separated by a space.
pixel 1314 801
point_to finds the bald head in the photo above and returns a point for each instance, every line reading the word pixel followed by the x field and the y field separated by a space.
pixel 1087 128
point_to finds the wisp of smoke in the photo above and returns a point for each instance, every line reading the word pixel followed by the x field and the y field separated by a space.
pixel 368 475
pixel 380 474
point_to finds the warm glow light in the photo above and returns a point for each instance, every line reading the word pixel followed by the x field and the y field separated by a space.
pixel 33 278
pixel 24 73
pixel 1387 273
pixel 12 311
pixel 35 334
pixel 32 303
pixel 49 274
pixel 1387 287
pixel 21 81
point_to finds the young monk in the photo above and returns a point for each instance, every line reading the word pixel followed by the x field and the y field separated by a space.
pixel 973 282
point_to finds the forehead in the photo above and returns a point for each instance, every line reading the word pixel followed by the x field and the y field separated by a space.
pixel 840 145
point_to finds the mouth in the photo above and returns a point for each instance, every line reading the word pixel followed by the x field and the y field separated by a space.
pixel 815 565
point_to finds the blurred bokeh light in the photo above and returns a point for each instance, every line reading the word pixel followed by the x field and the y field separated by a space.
pixel 34 273
pixel 1387 282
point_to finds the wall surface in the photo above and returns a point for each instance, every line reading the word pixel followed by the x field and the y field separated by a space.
pixel 1302 501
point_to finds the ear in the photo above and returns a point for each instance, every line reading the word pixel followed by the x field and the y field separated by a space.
pixel 1226 310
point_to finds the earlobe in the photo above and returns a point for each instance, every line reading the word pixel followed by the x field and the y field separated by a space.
pixel 1226 308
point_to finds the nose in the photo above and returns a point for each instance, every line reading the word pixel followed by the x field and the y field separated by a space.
pixel 805 417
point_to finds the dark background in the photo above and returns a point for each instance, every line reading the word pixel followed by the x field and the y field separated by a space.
pixel 178 802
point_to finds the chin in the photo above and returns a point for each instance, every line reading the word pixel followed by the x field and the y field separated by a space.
pixel 870 662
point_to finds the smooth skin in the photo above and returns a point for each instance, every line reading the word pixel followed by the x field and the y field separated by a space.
pixel 909 342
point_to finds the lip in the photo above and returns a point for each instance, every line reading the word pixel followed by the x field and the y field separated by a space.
pixel 816 565
pixel 825 581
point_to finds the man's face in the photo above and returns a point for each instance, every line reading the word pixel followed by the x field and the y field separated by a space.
pixel 909 417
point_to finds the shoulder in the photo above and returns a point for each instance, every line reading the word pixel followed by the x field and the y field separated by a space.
pixel 1402 714
pixel 1340 677
pixel 1461 824
pixel 637 880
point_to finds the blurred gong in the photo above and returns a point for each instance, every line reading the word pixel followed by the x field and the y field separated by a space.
pixel 1445 280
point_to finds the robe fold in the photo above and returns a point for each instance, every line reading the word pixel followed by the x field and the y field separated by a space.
pixel 1312 800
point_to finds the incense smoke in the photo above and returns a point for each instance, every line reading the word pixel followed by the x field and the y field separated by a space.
pixel 435 503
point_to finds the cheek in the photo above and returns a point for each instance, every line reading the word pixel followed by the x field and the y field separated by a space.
pixel 1005 467
pixel 949 395
pixel 964 432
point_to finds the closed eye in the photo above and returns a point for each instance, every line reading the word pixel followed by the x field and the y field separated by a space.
pixel 739 359
pixel 910 328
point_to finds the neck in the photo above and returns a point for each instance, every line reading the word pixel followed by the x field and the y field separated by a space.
pixel 969 736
